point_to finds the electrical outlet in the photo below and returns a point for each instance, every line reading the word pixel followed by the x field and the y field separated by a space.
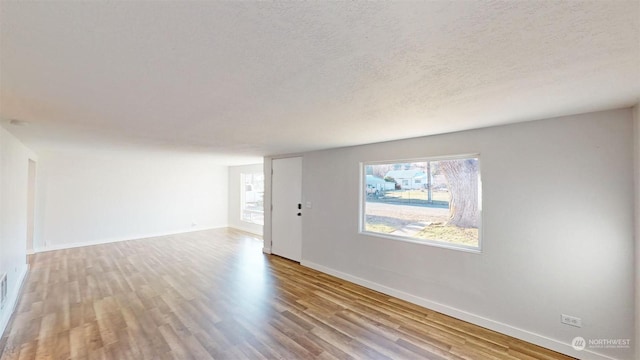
pixel 3 290
pixel 571 320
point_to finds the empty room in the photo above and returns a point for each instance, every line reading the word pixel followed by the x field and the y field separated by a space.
pixel 320 180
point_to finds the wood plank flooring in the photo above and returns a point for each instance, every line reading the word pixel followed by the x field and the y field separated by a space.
pixel 214 295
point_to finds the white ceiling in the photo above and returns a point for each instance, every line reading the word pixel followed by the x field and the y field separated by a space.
pixel 250 79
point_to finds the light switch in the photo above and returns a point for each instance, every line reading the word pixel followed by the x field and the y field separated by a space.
pixel 308 204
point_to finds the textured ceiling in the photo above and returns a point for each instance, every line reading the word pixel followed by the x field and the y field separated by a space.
pixel 252 79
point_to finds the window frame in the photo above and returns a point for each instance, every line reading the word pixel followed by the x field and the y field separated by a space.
pixel 362 200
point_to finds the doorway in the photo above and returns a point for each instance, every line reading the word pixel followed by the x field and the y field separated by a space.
pixel 286 215
pixel 31 205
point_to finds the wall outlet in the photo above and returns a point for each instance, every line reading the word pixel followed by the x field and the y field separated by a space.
pixel 571 320
pixel 3 290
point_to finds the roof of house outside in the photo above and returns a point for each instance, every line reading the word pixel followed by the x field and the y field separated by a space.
pixel 374 179
pixel 406 174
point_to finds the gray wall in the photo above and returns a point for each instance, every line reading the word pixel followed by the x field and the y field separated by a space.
pixel 557 230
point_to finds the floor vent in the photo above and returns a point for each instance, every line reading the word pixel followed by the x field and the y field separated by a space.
pixel 3 290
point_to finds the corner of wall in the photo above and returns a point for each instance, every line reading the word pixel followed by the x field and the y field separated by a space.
pixel 636 151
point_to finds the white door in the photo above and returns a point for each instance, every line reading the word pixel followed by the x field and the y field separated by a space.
pixel 286 216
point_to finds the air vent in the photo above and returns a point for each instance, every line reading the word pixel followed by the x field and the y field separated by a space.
pixel 3 290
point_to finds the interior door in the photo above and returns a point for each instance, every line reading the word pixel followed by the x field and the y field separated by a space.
pixel 286 216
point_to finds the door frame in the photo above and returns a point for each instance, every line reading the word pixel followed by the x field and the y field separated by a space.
pixel 268 193
pixel 32 193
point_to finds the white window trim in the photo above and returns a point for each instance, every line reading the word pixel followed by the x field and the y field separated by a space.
pixel 440 244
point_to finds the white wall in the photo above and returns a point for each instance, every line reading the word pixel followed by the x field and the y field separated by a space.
pixel 96 196
pixel 558 230
pixel 14 163
pixel 235 195
pixel 636 123
pixel 266 235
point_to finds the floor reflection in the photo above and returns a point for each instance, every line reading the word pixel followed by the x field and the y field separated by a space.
pixel 251 279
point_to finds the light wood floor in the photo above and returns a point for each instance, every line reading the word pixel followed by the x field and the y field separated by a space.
pixel 213 294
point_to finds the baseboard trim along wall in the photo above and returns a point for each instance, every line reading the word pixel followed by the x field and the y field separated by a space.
pixel 108 241
pixel 502 328
pixel 245 229
pixel 12 302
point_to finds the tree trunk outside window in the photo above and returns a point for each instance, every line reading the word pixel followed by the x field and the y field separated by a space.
pixel 462 178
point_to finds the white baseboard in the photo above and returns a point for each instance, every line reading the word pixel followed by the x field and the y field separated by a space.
pixel 267 250
pixel 113 240
pixel 12 301
pixel 246 229
pixel 506 329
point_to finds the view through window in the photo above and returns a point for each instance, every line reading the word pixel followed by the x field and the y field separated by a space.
pixel 435 201
pixel 252 198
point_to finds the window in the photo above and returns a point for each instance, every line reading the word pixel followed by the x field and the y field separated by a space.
pixel 431 201
pixel 252 198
